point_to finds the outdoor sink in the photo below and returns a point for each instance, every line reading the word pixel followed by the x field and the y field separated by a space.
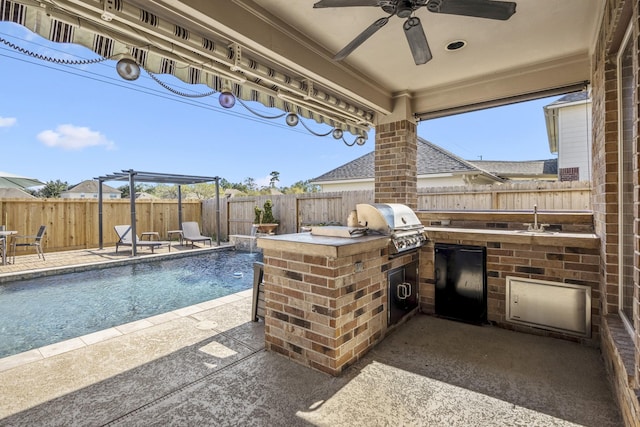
pixel 538 233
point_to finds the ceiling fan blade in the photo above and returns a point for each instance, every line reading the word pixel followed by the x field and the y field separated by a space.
pixel 417 40
pixel 361 38
pixel 345 3
pixel 490 9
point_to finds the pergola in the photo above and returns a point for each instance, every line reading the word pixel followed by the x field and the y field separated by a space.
pixel 134 176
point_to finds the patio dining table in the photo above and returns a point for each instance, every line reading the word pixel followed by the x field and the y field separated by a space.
pixel 3 235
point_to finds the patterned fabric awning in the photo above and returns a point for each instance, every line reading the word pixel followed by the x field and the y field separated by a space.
pixel 111 28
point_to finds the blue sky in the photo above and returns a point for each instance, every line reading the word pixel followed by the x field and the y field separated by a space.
pixel 78 122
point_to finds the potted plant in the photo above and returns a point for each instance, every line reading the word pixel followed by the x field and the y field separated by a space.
pixel 264 222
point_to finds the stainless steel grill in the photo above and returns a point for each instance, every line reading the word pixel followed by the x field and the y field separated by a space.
pixel 397 221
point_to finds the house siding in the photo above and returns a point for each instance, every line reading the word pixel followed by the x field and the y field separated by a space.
pixel 427 182
pixel 575 140
pixel 347 186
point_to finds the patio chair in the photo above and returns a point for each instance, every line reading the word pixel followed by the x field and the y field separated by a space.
pixel 3 247
pixel 258 304
pixel 191 233
pixel 124 239
pixel 29 241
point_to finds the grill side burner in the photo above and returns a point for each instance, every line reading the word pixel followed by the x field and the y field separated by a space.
pixel 397 221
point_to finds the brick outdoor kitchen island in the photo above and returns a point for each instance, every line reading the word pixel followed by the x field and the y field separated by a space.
pixel 325 297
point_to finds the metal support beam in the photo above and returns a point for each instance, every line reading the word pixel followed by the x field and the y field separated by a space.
pixel 180 207
pixel 218 211
pixel 132 201
pixel 100 239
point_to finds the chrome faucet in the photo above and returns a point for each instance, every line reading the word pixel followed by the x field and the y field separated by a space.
pixel 539 228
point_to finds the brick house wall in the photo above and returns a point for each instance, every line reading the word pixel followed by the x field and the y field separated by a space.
pixel 621 355
pixel 576 263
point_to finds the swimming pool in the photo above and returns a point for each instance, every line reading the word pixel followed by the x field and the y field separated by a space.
pixel 46 310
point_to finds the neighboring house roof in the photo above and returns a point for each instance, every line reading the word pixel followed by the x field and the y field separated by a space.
pixel 144 195
pixel 507 169
pixel 14 193
pixel 431 160
pixel 91 186
pixel 571 97
pixel 232 192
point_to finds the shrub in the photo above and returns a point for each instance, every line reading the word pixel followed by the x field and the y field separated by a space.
pixel 264 215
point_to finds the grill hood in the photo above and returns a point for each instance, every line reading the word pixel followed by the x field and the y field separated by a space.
pixel 387 218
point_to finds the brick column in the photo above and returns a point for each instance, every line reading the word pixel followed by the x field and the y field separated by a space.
pixel 324 312
pixel 396 150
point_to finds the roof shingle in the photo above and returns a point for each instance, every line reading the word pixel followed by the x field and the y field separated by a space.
pixel 431 160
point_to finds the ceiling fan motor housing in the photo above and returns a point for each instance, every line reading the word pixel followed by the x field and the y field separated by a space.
pixel 404 8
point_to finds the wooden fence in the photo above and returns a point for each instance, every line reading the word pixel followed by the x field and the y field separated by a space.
pixel 73 223
pixel 295 211
pixel 567 196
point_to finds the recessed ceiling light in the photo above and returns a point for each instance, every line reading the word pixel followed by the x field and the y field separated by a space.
pixel 456 45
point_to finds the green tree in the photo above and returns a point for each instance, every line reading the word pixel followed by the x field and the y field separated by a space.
pixel 251 184
pixel 202 190
pixel 138 188
pixel 275 177
pixel 165 191
pixel 53 189
pixel 224 184
pixel 301 187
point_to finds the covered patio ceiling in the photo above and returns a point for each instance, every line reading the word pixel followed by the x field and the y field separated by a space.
pixel 280 52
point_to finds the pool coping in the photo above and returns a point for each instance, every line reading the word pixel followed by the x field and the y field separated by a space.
pixel 55 349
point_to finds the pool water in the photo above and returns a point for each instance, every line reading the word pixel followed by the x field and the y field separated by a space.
pixel 46 310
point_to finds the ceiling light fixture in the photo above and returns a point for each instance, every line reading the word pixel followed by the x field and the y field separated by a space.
pixel 292 119
pixel 127 67
pixel 227 99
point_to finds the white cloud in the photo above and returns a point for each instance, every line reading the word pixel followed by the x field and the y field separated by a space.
pixel 6 122
pixel 71 137
pixel 263 182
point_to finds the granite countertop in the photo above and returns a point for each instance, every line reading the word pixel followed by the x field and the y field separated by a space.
pixel 584 240
pixel 335 247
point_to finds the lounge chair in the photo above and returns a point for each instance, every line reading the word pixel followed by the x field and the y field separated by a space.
pixel 3 247
pixel 124 239
pixel 34 241
pixel 191 233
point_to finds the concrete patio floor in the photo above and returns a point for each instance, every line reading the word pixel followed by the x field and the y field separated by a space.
pixel 207 366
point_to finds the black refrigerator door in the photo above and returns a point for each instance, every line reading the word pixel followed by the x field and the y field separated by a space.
pixel 461 282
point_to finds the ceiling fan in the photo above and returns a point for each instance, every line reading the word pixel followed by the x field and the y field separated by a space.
pixel 490 9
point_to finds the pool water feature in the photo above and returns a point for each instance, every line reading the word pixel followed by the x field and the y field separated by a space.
pixel 46 310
